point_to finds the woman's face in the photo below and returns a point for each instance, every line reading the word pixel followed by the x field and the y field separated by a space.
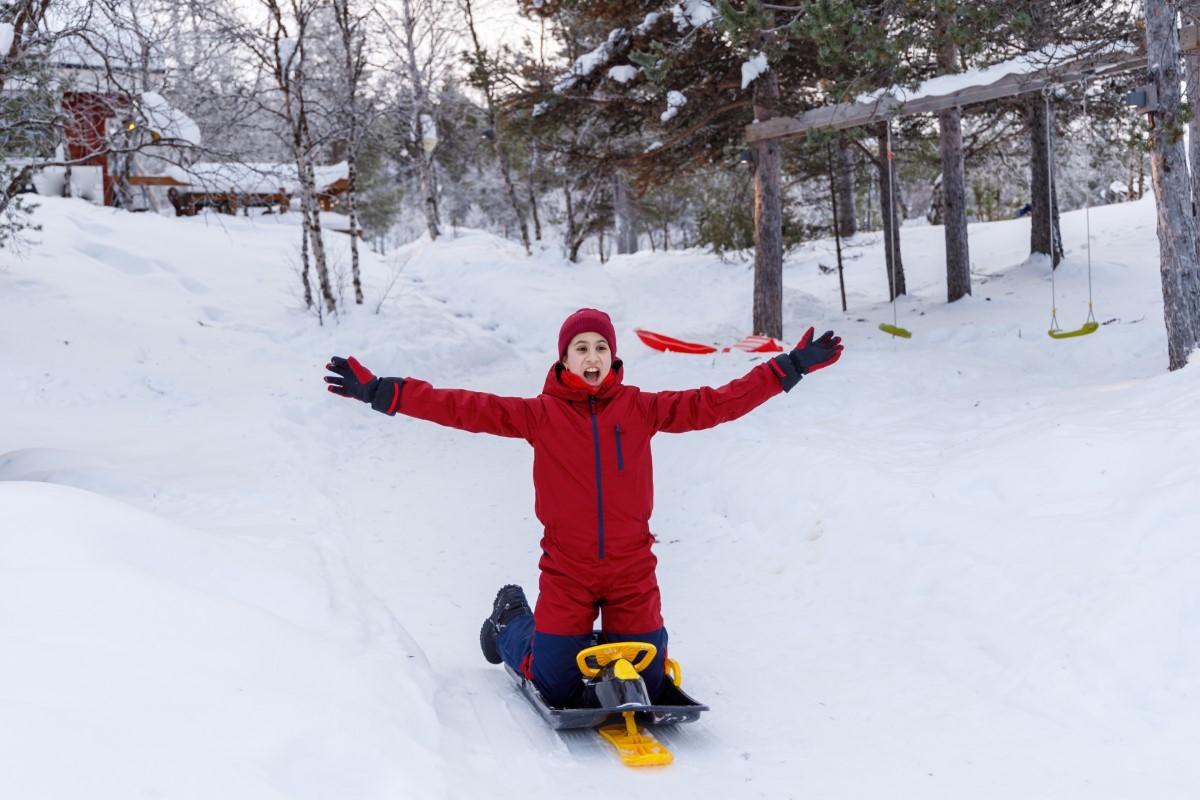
pixel 589 357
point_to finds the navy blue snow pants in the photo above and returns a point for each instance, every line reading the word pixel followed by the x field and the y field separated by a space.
pixel 549 659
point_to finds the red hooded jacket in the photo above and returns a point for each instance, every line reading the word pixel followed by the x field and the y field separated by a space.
pixel 592 470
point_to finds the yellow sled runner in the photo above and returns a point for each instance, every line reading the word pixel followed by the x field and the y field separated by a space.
pixel 617 704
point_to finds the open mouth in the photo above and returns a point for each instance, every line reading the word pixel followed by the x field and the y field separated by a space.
pixel 591 374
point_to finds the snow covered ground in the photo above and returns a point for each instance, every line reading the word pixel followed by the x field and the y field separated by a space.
pixel 963 565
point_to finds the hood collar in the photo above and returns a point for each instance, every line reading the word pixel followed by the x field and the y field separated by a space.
pixel 556 388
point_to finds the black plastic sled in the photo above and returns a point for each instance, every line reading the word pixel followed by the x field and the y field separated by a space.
pixel 673 706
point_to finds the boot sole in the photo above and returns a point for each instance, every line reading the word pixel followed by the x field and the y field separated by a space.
pixel 487 642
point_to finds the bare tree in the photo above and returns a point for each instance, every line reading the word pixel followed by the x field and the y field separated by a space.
pixel 68 69
pixel 484 71
pixel 31 121
pixel 350 18
pixel 275 34
pixel 421 44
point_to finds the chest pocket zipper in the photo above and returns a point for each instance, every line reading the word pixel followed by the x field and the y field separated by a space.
pixel 620 458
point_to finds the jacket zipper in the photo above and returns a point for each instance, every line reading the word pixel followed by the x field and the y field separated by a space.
pixel 599 482
pixel 620 459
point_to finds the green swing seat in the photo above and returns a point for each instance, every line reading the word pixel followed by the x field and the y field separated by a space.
pixel 895 330
pixel 1091 326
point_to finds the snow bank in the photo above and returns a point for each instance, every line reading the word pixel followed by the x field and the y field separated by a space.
pixel 143 656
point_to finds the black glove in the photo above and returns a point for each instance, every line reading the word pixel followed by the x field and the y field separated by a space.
pixel 808 356
pixel 352 379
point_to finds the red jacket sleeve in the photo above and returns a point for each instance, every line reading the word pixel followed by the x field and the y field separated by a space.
pixel 697 409
pixel 477 412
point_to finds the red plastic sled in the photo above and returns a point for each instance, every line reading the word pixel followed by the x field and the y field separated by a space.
pixel 669 344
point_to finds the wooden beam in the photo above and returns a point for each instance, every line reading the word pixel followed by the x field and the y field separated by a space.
pixel 154 180
pixel 852 115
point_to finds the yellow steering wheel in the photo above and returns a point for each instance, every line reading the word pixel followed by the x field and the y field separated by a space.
pixel 594 659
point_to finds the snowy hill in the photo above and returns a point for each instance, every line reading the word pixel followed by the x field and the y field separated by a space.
pixel 958 566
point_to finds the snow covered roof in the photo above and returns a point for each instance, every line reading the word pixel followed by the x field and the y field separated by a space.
pixel 167 121
pixel 254 178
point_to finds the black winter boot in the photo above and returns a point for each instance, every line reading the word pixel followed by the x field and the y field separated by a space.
pixel 510 603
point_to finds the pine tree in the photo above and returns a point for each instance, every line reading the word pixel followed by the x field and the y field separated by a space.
pixel 664 88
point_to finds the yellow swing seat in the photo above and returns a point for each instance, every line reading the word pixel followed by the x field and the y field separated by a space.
pixel 895 330
pixel 1091 326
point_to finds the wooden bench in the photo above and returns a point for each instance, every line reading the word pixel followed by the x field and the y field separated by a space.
pixel 187 204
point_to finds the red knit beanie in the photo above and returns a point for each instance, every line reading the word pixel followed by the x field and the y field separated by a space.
pixel 582 321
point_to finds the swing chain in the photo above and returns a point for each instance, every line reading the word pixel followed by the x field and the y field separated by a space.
pixel 1091 325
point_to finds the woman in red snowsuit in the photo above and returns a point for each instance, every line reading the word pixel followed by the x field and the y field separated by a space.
pixel 593 484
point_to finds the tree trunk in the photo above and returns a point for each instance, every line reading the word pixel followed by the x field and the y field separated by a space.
pixel 889 213
pixel 954 205
pixel 353 65
pixel 18 181
pixel 626 216
pixel 847 217
pixel 352 214
pixel 570 247
pixel 511 188
pixel 1172 188
pixel 308 191
pixel 304 267
pixel 1045 233
pixel 837 226
pixel 428 184
pixel 768 214
pixel 1191 16
pixel 311 220
pixel 954 186
pixel 486 84
pixel 426 140
pixel 533 205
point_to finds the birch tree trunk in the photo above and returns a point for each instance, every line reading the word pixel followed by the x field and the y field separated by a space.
pixel 352 215
pixel 286 59
pixel 768 212
pixel 954 190
pixel 1172 187
pixel 423 126
pixel 311 215
pixel 353 67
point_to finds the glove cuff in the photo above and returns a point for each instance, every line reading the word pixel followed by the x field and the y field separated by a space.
pixel 785 369
pixel 387 396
